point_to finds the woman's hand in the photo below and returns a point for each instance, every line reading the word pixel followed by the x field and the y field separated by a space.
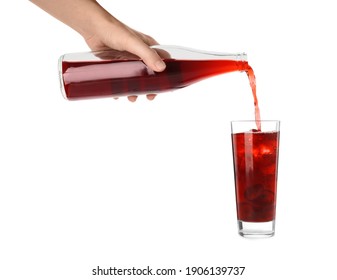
pixel 102 31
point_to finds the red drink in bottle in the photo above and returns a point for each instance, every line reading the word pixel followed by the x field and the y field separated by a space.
pixel 112 73
pixel 114 78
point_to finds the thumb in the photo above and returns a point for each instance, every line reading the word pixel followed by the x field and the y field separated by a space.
pixel 150 57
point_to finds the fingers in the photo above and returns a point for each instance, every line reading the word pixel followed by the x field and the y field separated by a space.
pixel 139 45
pixel 133 98
pixel 146 38
pixel 151 96
pixel 118 36
pixel 149 56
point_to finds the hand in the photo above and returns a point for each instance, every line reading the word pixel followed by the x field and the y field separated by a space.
pixel 128 40
pixel 102 31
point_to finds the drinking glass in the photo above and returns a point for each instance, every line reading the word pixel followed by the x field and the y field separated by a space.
pixel 255 160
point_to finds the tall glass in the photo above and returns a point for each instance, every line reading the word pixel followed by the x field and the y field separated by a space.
pixel 255 159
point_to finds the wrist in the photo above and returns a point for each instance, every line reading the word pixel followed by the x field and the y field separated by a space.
pixel 90 19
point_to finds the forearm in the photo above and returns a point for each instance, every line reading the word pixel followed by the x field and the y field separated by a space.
pixel 81 15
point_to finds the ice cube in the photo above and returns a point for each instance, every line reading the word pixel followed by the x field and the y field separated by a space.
pixel 266 198
pixel 254 192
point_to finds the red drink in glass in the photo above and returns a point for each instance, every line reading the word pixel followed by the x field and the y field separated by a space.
pixel 255 158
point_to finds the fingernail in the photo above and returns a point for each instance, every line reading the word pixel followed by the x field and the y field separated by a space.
pixel 160 65
pixel 150 96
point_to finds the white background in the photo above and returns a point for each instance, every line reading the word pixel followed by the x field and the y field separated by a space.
pixel 115 183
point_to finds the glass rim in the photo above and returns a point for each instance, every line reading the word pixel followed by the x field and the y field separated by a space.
pixel 238 121
pixel 239 126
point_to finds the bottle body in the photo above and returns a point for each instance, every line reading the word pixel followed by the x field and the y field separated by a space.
pixel 114 74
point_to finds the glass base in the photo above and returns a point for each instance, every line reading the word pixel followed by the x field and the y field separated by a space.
pixel 256 230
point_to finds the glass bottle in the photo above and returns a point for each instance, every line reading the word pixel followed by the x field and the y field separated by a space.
pixel 112 73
